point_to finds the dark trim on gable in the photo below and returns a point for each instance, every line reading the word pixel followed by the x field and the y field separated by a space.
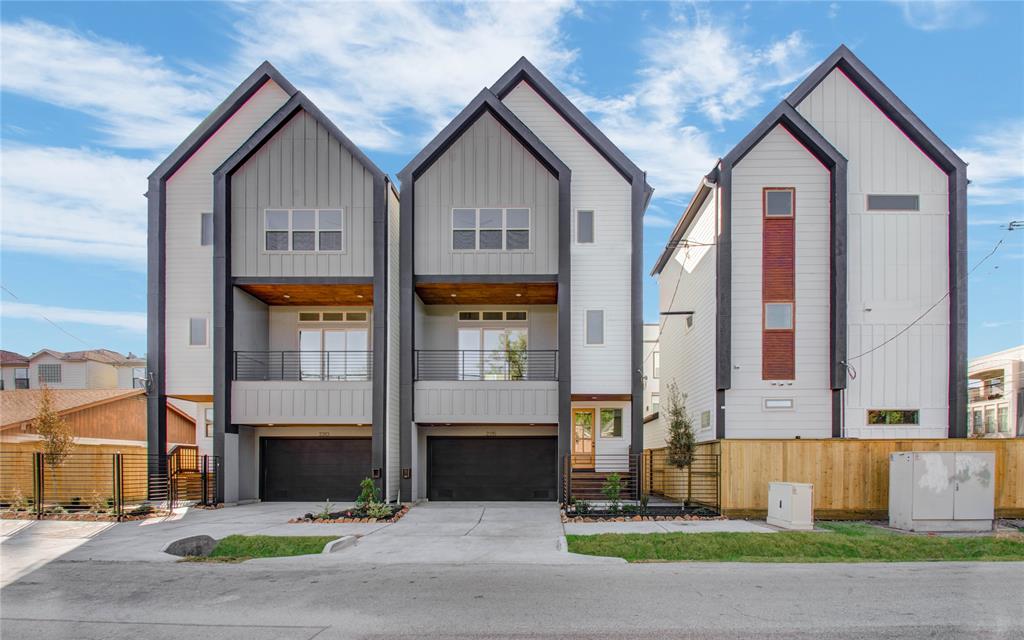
pixel 956 170
pixel 786 116
pixel 156 421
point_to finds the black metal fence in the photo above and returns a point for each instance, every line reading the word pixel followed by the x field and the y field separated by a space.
pixel 495 364
pixel 108 484
pixel 585 477
pixel 303 365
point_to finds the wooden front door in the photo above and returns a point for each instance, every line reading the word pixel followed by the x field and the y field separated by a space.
pixel 583 438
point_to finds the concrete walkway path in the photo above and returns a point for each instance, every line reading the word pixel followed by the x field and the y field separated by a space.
pixel 685 526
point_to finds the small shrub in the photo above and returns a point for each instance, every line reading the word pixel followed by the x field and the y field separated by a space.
pixel 583 507
pixel 18 502
pixel 612 490
pixel 368 494
pixel 377 510
pixel 644 500
pixel 325 510
pixel 99 504
pixel 56 510
pixel 629 509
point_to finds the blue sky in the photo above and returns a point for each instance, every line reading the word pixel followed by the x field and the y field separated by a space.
pixel 95 95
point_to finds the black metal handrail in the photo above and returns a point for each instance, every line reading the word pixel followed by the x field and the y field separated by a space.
pixel 495 364
pixel 303 365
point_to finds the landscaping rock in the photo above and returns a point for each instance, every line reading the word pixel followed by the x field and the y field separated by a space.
pixel 191 546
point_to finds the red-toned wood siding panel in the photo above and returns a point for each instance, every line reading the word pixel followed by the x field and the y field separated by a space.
pixel 778 284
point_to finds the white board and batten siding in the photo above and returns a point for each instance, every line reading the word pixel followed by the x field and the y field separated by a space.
pixel 485 167
pixel 897 264
pixel 779 160
pixel 600 276
pixel 301 167
pixel 687 283
pixel 301 402
pixel 392 464
pixel 189 276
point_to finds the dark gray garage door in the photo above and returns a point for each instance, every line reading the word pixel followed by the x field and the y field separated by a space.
pixel 492 468
pixel 313 469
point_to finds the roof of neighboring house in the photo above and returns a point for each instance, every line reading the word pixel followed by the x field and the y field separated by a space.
pixel 9 357
pixel 106 356
pixel 20 405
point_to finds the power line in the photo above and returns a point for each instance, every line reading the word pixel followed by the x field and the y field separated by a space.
pixel 55 325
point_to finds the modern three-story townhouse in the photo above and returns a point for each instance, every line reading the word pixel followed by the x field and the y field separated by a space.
pixel 815 284
pixel 520 299
pixel 269 266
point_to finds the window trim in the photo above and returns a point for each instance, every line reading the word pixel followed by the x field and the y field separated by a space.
pixel 316 232
pixel 792 203
pixel 203 217
pixel 764 317
pixel 206 333
pixel 604 328
pixel 576 228
pixel 505 228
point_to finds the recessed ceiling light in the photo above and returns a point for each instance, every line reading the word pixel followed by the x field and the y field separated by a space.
pixel 454 295
pixel 287 297
pixel 359 295
pixel 519 295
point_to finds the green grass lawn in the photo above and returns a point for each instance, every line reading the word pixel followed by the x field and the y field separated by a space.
pixel 238 548
pixel 847 542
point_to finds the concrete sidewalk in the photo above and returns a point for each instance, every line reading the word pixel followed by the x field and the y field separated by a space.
pixel 26 545
pixel 670 526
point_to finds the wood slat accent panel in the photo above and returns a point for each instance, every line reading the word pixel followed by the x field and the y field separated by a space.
pixel 311 294
pixel 488 293
pixel 850 477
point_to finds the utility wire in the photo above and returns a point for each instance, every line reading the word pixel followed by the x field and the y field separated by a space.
pixel 55 325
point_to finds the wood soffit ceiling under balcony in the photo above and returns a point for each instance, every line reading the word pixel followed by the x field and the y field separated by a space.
pixel 335 295
pixel 488 293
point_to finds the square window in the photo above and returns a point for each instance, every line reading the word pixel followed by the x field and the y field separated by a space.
pixel 594 327
pixel 517 240
pixel 778 203
pixel 585 227
pixel 518 219
pixel 303 220
pixel 778 315
pixel 49 373
pixel 611 423
pixel 330 219
pixel 277 220
pixel 490 240
pixel 197 332
pixel 464 219
pixel 277 241
pixel 330 241
pixel 303 240
pixel 463 240
pixel 206 229
pixel 490 218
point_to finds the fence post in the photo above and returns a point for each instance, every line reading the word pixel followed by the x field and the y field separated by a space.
pixel 118 487
pixel 689 482
pixel 37 483
pixel 204 478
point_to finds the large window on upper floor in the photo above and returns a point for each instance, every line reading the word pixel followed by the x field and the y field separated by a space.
pixel 304 230
pixel 491 229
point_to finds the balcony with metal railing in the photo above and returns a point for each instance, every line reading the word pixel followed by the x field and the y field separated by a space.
pixel 299 366
pixel 492 365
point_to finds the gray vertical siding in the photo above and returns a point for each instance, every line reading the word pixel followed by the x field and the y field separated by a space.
pixel 301 166
pixel 485 167
pixel 439 325
pixel 251 323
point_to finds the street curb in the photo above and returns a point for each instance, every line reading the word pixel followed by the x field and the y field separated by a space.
pixel 340 544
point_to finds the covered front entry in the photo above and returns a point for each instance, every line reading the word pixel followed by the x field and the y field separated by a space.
pixel 492 468
pixel 313 469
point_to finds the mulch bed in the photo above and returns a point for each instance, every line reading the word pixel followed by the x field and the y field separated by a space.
pixel 351 516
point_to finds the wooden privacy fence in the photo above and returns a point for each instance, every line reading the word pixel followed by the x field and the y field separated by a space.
pixel 850 477
pixel 111 483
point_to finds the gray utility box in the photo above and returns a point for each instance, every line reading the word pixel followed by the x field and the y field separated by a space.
pixel 942 491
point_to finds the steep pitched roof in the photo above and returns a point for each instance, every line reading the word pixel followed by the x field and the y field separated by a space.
pixel 890 104
pixel 523 70
pixel 22 404
pixel 10 357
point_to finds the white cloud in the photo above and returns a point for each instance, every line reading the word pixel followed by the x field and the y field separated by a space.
pixel 127 320
pixel 370 64
pixel 995 162
pixel 138 99
pixel 74 202
pixel 938 15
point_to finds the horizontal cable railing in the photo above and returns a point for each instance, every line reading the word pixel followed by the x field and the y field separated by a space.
pixel 104 484
pixel 496 364
pixel 303 365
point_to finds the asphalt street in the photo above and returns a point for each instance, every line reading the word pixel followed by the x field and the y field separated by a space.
pixel 325 599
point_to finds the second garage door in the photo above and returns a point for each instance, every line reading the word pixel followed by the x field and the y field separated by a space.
pixel 313 469
pixel 492 468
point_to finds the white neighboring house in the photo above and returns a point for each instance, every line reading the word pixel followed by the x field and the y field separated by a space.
pixel 90 369
pixel 654 435
pixel 995 393
pixel 838 221
pixel 13 371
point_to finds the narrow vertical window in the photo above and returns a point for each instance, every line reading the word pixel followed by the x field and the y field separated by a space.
pixel 517 229
pixel 208 422
pixel 585 227
pixel 206 229
pixel 197 332
pixel 594 327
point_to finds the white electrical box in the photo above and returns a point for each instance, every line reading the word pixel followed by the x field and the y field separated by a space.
pixel 940 491
pixel 791 505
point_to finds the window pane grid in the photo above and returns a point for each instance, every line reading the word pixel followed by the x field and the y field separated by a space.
pixel 308 230
pixel 491 229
